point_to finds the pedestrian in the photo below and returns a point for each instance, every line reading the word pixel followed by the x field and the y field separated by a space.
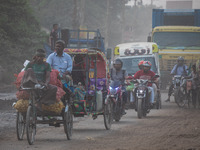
pixel 53 36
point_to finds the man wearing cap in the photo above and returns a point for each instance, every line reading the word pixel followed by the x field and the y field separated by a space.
pixel 38 71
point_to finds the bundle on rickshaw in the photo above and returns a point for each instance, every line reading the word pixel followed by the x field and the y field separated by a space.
pixel 23 96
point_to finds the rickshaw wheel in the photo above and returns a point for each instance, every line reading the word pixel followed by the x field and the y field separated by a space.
pixel 108 115
pixel 30 125
pixel 68 122
pixel 20 125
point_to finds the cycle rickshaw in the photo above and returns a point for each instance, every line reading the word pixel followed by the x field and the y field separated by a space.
pixel 89 74
pixel 28 116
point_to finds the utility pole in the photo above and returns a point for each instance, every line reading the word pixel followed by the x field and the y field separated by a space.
pixel 82 14
pixel 107 24
pixel 75 16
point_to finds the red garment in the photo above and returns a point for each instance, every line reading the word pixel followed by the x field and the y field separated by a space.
pixel 142 75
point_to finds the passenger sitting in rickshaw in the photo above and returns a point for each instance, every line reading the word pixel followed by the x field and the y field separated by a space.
pixel 78 73
pixel 38 72
pixel 63 63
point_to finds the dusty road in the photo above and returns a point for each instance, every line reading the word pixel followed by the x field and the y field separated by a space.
pixel 165 129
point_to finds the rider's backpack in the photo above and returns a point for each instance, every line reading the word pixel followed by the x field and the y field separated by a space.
pixel 111 74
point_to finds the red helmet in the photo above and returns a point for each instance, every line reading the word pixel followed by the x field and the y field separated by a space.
pixel 140 63
pixel 147 64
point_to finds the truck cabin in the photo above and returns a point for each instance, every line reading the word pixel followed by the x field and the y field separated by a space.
pixel 177 37
pixel 132 53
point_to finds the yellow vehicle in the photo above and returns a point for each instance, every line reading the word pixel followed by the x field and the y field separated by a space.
pixel 175 41
pixel 177 33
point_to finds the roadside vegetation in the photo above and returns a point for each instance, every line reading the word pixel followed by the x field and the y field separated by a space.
pixel 22 21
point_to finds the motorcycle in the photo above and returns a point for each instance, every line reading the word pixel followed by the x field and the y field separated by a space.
pixel 183 95
pixel 177 80
pixel 115 95
pixel 141 94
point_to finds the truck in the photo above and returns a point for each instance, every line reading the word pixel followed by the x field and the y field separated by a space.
pixel 131 54
pixel 177 33
pixel 80 39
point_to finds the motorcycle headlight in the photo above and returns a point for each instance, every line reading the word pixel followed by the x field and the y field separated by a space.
pixel 113 90
pixel 140 91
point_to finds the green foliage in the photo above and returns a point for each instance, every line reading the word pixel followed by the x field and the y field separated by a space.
pixel 20 35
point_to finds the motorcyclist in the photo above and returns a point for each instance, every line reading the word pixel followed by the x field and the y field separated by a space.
pixel 179 69
pixel 147 74
pixel 117 74
pixel 131 86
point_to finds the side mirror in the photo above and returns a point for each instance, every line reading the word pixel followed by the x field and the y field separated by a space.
pixel 109 53
pixel 149 39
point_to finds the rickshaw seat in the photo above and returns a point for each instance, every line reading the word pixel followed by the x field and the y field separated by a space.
pixel 101 84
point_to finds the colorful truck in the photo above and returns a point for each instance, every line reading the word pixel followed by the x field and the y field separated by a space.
pixel 177 33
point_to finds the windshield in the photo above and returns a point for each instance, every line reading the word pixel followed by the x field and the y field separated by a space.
pixel 131 64
pixel 177 40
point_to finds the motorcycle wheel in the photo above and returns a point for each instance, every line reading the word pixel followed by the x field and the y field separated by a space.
pixel 181 99
pixel 176 95
pixel 108 114
pixel 117 112
pixel 139 108
pixel 158 102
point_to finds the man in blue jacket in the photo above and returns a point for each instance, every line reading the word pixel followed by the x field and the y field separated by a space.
pixel 179 69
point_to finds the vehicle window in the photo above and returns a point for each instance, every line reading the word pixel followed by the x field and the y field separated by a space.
pixel 184 40
pixel 131 64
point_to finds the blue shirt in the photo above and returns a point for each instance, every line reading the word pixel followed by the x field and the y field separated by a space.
pixel 62 64
pixel 181 70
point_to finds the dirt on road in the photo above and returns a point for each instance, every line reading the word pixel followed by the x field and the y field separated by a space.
pixel 170 128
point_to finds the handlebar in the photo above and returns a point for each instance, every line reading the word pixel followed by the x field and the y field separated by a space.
pixel 37 86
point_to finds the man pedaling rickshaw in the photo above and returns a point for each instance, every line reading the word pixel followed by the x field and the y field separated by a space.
pixel 38 72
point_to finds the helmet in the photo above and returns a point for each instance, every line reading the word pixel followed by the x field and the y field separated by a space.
pixel 118 62
pixel 180 58
pixel 140 63
pixel 147 64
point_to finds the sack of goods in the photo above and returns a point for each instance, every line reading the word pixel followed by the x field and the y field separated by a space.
pixel 22 106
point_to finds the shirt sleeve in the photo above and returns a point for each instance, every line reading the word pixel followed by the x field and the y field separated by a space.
pixel 136 75
pixel 69 62
pixel 186 69
pixel 28 66
pixel 49 60
pixel 173 70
